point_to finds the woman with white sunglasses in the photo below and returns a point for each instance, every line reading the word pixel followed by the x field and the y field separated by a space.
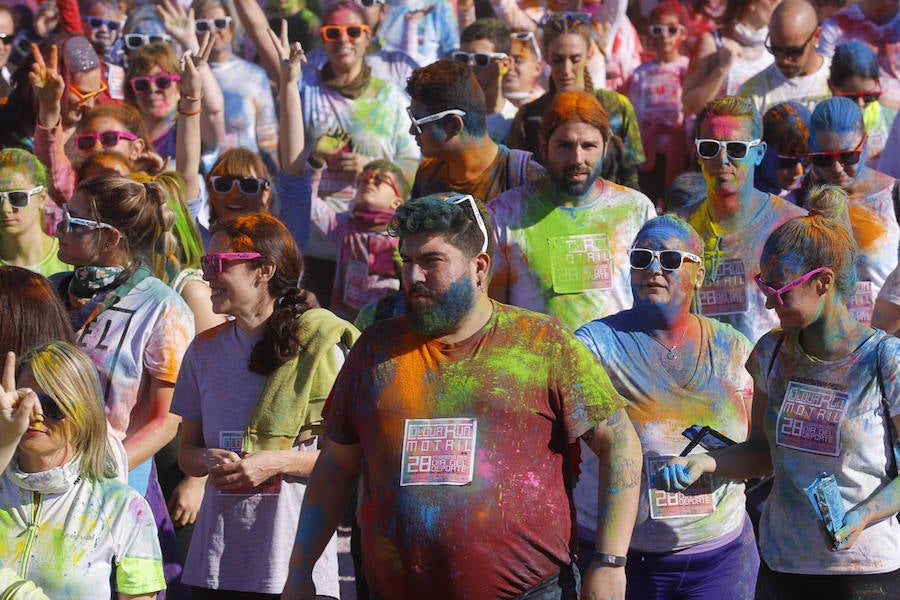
pixel 677 370
pixel 826 400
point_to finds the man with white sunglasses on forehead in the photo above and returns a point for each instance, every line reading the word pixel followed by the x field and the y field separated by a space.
pixel 461 468
pixel 735 219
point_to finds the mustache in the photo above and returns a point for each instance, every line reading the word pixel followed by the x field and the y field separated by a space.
pixel 422 289
pixel 577 170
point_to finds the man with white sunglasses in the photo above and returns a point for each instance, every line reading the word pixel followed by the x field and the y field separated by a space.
pixel 461 469
pixel 735 219
pixel 562 242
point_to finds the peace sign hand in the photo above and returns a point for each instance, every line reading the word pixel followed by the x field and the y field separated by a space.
pixel 17 406
pixel 290 56
pixel 191 84
pixel 48 84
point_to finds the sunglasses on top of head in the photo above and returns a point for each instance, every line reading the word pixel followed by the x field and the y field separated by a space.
pixel 133 41
pixel 97 23
pixel 334 33
pixel 218 24
pixel 734 149
pixel 563 16
pixel 669 260
pixel 143 83
pixel 19 198
pixel 527 36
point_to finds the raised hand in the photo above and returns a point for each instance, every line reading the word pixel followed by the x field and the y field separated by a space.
pixel 290 56
pixel 46 81
pixel 331 142
pixel 17 406
pixel 179 23
pixel 191 84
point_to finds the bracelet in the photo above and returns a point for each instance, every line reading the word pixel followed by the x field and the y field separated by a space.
pixel 192 99
pixel 610 559
pixel 190 113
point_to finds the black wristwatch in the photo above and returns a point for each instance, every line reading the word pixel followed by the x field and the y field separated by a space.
pixel 614 560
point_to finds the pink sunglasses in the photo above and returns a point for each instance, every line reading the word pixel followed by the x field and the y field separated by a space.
pixel 770 291
pixel 211 264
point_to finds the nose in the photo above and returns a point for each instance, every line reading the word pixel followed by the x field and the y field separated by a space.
pixel 654 266
pixel 415 274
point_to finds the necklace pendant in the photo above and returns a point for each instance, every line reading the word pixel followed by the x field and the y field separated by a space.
pixel 672 354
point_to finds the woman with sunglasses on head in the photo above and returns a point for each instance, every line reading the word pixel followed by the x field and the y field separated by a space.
pixel 23 198
pixel 567 42
pixel 838 145
pixel 826 396
pixel 677 369
pixel 855 74
pixel 69 527
pixel 250 394
pixel 785 164
pixel 725 58
pixel 134 326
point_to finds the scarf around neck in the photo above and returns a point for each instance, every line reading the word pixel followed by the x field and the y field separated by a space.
pixel 57 480
pixel 351 90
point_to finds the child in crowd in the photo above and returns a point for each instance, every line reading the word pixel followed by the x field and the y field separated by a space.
pixel 655 93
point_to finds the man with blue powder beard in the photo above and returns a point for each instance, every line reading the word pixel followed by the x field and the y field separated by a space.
pixel 459 417
pixel 562 242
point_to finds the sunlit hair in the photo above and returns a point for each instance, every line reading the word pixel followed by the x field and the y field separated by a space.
pixel 127 115
pixel 821 239
pixel 677 225
pixel 731 106
pixel 236 162
pixel 668 8
pixel 342 5
pixel 24 162
pixel 68 375
pixel 786 128
pixel 263 233
pixel 396 173
pixel 139 211
pixel 853 59
pixel 575 107
pixel 555 28
pixel 141 13
pixel 32 311
pixel 201 7
pixel 434 215
pixel 492 30
pixel 160 55
pixel 448 84
pixel 182 242
pixel 835 115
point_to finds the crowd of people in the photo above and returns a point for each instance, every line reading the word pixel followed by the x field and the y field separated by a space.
pixel 542 299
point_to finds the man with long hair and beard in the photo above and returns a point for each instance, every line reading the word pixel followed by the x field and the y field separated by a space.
pixel 458 417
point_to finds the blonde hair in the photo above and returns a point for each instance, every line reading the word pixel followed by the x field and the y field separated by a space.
pixel 68 375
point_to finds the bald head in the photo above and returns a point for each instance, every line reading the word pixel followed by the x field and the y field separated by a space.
pixel 793 37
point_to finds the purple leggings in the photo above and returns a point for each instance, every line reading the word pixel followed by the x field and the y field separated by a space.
pixel 726 573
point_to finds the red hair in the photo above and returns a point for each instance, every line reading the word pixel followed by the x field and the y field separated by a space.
pixel 574 107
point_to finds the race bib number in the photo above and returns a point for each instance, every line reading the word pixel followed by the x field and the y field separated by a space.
pixel 115 79
pixel 696 500
pixel 862 305
pixel 232 440
pixel 438 451
pixel 356 282
pixel 810 418
pixel 727 295
pixel 580 262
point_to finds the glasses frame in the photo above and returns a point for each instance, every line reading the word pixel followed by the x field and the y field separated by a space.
pixel 212 24
pixel 459 199
pixel 657 256
pixel 7 38
pixel 344 30
pixel 146 38
pixel 662 29
pixel 65 225
pixel 370 3
pixel 154 80
pixel 417 123
pixel 108 23
pixel 522 36
pixel 5 196
pixel 724 144
pixel 84 98
pixel 769 291
pixel 374 176
pixel 211 269
pixel 50 407
pixel 794 52
pixel 867 97
pixel 842 156
pixel 475 58
pixel 801 160
pixel 98 138
pixel 574 16
pixel 239 181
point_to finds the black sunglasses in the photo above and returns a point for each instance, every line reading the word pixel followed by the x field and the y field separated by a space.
pixel 7 38
pixel 790 51
pixel 791 162
pixel 248 186
pixel 50 408
pixel 204 25
pixel 133 41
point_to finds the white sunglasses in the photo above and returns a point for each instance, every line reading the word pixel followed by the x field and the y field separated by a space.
pixel 417 123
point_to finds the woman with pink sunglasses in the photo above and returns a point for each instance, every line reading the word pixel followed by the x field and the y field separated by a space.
pixel 825 412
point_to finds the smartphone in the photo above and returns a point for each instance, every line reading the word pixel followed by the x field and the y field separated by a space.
pixel 706 437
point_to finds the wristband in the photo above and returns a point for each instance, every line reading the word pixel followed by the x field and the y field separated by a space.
pixel 189 113
pixel 192 98
pixel 613 560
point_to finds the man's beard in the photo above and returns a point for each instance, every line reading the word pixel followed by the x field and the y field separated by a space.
pixel 576 189
pixel 448 309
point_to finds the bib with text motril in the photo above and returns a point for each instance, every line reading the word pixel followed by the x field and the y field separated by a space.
pixel 232 440
pixel 696 500
pixel 727 294
pixel 438 451
pixel 580 262
pixel 810 418
pixel 862 305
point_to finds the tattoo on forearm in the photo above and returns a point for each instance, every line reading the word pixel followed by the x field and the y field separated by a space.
pixel 625 473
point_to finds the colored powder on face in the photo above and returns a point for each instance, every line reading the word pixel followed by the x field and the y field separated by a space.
pixel 447 311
